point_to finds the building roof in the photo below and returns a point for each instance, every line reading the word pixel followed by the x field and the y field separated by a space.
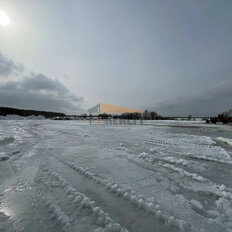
pixel 112 109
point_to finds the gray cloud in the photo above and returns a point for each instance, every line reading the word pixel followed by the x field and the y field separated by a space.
pixel 8 66
pixel 209 103
pixel 34 91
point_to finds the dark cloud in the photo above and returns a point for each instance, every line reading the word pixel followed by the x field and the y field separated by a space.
pixel 209 103
pixel 8 66
pixel 34 91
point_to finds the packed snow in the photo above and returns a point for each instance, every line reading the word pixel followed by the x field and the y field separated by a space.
pixel 75 176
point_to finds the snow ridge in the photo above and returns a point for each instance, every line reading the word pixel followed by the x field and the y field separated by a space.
pixel 102 218
pixel 184 173
pixel 225 140
pixel 56 213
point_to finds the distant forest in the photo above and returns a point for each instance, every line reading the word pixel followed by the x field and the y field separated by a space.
pixel 136 116
pixel 225 117
pixel 21 112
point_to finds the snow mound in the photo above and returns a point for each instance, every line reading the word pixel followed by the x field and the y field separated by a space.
pixel 224 140
pixel 58 215
pixel 185 173
pixel 146 157
pixel 3 156
pixel 196 204
pixel 212 159
pixel 175 160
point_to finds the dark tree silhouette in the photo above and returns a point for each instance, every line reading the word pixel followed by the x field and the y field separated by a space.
pixel 21 112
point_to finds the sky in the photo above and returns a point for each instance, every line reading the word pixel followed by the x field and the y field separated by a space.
pixel 173 57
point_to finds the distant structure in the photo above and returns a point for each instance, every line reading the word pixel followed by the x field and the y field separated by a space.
pixel 228 113
pixel 103 108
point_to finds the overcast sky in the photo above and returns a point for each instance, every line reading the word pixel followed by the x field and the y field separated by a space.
pixel 171 56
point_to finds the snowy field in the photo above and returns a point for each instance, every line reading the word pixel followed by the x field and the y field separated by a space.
pixel 72 176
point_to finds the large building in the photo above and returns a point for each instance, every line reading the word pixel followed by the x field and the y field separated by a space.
pixel 103 108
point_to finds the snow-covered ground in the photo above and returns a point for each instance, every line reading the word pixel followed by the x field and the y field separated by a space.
pixel 72 176
pixel 18 117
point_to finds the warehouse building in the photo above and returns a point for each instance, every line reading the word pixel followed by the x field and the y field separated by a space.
pixel 103 108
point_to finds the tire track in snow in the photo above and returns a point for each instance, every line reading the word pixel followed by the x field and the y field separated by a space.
pixel 223 193
pixel 57 214
pixel 82 201
pixel 190 150
pixel 136 201
pixel 184 162
pixel 72 210
pixel 54 218
pixel 220 192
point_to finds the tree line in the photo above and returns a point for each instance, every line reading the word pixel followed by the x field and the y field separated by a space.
pixel 132 116
pixel 21 112
pixel 225 117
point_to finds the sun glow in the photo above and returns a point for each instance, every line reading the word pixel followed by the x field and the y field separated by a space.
pixel 4 19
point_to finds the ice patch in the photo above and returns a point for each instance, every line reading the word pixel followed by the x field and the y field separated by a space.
pixel 5 222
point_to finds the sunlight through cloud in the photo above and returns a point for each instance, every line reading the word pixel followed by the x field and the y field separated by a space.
pixel 4 19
